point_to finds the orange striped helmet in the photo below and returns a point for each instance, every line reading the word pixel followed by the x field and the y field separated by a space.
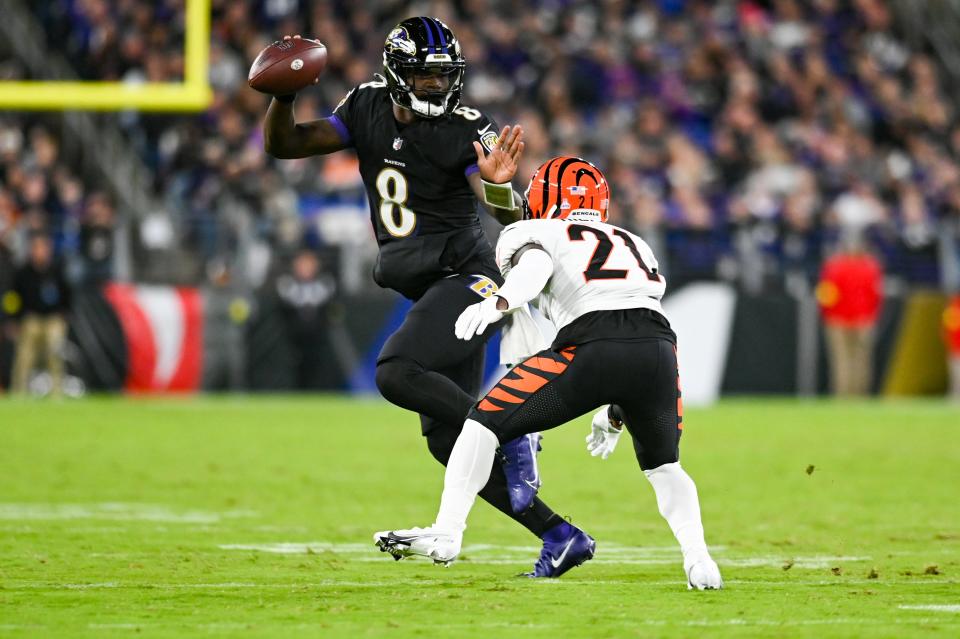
pixel 566 185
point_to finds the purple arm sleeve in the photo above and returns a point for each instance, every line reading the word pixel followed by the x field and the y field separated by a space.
pixel 340 127
pixel 470 170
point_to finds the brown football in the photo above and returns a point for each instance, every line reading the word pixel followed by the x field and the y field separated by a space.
pixel 286 66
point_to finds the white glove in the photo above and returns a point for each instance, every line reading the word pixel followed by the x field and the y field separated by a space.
pixel 475 318
pixel 604 434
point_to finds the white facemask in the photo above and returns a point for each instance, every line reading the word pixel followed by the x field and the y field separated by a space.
pixel 426 108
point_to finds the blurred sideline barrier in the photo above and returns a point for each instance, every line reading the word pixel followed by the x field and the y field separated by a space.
pixel 169 339
pixel 918 364
pixel 703 346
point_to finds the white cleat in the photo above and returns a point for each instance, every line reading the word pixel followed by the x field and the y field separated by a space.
pixel 703 574
pixel 439 545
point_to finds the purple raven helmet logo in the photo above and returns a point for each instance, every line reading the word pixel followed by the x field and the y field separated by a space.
pixel 399 40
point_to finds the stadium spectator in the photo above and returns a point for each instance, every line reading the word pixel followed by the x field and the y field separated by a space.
pixel 951 337
pixel 43 300
pixel 306 293
pixel 226 310
pixel 97 240
pixel 8 299
pixel 850 296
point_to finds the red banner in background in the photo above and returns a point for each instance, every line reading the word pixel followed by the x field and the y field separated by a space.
pixel 163 331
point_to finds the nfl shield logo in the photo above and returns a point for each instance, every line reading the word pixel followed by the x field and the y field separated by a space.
pixel 397 143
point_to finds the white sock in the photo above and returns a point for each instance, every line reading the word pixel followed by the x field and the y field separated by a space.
pixel 467 473
pixel 679 505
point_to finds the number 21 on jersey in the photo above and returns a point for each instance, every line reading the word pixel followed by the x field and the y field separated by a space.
pixel 398 220
pixel 595 269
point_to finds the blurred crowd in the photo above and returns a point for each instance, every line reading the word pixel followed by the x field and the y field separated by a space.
pixel 57 234
pixel 42 195
pixel 742 137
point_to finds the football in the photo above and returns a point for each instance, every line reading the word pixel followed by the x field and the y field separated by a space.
pixel 286 66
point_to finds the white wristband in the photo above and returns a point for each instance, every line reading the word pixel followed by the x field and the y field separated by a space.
pixel 498 195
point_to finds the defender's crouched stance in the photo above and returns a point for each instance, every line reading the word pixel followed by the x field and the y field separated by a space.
pixel 601 288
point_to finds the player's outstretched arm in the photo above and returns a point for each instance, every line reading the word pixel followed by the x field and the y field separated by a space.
pixel 491 184
pixel 283 138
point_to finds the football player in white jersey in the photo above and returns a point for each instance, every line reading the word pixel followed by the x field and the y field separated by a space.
pixel 600 286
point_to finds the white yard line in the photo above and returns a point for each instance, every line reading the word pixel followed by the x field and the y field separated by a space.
pixel 715 623
pixel 107 626
pixel 113 585
pixel 747 583
pixel 857 621
pixel 934 607
pixel 451 579
pixel 659 623
pixel 295 548
pixel 114 511
pixel 494 555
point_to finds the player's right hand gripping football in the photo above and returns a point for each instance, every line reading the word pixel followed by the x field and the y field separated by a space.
pixel 476 318
pixel 604 434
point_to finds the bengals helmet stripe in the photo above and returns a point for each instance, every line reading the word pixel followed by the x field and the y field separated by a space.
pixel 567 185
pixel 561 173
pixel 545 178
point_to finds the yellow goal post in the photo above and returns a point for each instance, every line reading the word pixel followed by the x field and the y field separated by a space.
pixel 193 94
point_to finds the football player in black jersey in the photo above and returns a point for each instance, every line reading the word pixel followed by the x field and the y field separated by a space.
pixel 426 160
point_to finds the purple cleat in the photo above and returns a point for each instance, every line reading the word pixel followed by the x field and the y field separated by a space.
pixel 564 547
pixel 520 467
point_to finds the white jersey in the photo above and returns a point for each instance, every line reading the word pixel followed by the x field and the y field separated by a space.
pixel 596 267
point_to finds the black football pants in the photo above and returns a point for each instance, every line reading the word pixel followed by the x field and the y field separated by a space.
pixel 549 389
pixel 423 367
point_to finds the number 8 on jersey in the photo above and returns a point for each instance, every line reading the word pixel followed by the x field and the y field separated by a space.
pixel 397 219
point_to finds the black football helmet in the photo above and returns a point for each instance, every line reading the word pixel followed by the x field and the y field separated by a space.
pixel 417 48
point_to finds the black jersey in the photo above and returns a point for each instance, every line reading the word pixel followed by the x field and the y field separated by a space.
pixel 422 207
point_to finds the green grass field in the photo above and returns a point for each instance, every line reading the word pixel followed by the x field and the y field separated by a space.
pixel 247 517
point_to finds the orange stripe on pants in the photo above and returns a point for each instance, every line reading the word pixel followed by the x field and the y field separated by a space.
pixel 499 393
pixel 488 406
pixel 528 382
pixel 544 364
